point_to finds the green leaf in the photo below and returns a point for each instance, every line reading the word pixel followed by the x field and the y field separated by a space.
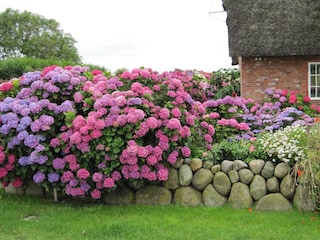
pixel 57 149
pixel 116 150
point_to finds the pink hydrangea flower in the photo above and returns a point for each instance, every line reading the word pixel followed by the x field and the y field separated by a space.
pixel 164 113
pixel 83 173
pixel 95 194
pixel 163 174
pixel 142 152
pixel 151 123
pixel 176 112
pixel 79 122
pixel 54 142
pixel 186 152
pixel 97 177
pixel 208 138
pixel 152 160
pixel 116 175
pixel 174 123
pixel 109 183
pixel 78 97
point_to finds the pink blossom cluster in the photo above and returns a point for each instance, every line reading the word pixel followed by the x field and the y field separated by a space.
pixel 242 126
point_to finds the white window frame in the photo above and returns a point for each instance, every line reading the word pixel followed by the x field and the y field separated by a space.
pixel 317 80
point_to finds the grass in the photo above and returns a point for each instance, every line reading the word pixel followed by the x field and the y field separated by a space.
pixel 31 218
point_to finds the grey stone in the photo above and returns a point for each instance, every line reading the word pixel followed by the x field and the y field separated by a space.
pixel 226 166
pixel 185 175
pixel 215 168
pixel 178 163
pixel 173 179
pixel 302 199
pixel 258 187
pixel 211 198
pixel 187 196
pixel 187 161
pixel 153 195
pixel 288 187
pixel 268 170
pixel 207 165
pixel 120 196
pixel 136 183
pixel 240 196
pixel 256 165
pixel 195 164
pixel 245 175
pixel 238 164
pixel 233 176
pixel 273 202
pixel 273 185
pixel 202 178
pixel 281 170
pixel 221 183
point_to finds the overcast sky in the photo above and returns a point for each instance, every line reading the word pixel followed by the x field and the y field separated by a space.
pixel 160 34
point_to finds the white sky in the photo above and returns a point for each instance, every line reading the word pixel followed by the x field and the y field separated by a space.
pixel 160 34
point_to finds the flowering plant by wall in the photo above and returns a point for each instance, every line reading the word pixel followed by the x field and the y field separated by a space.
pixel 84 132
pixel 284 145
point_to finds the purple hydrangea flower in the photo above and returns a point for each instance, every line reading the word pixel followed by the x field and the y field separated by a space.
pixel 24 93
pixel 58 163
pixel 14 141
pixel 53 177
pixel 31 141
pixel 39 177
pixel 24 161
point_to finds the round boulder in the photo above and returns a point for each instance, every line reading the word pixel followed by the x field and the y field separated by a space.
pixel 258 187
pixel 281 170
pixel 240 196
pixel 187 196
pixel 273 202
pixel 211 198
pixel 202 178
pixel 221 183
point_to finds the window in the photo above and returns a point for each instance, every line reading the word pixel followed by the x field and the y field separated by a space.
pixel 314 81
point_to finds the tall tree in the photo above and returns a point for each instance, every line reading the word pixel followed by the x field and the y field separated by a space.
pixel 32 35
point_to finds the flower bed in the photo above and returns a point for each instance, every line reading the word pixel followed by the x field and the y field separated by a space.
pixel 84 132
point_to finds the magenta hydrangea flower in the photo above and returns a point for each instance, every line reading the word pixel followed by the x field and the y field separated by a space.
pixel 163 174
pixel 109 183
pixel 95 194
pixel 176 112
pixel 83 173
pixel 151 123
pixel 164 113
pixel 174 123
pixel 186 152
pixel 97 177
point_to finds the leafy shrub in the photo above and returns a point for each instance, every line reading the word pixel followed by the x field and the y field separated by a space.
pixel 285 145
pixel 225 82
pixel 237 149
pixel 309 166
pixel 16 67
pixel 83 132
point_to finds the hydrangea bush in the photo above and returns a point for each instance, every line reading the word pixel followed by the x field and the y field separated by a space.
pixel 84 132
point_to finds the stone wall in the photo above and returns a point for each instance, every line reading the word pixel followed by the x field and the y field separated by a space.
pixel 192 182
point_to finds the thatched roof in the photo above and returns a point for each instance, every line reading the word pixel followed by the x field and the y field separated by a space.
pixel 273 27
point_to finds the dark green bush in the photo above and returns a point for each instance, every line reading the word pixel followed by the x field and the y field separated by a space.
pixel 16 67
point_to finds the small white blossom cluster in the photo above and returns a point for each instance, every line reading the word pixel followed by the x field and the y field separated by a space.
pixel 284 145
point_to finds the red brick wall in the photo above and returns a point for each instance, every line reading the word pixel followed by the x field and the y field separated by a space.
pixel 258 74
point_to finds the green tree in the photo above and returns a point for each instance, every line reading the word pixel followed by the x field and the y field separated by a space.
pixel 30 35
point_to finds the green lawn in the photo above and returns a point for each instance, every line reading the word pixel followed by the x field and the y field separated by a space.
pixel 34 218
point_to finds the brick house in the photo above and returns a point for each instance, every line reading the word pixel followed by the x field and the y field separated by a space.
pixel 276 44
